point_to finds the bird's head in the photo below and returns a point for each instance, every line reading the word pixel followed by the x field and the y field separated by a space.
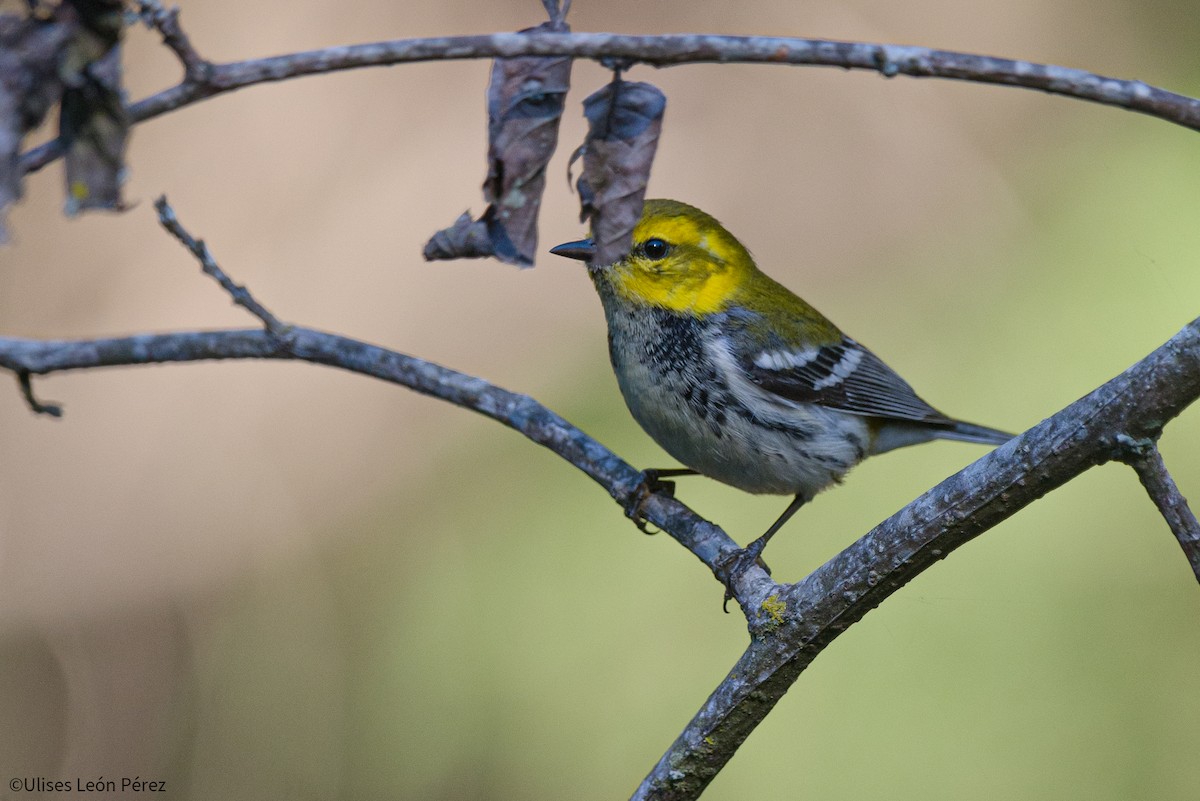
pixel 682 260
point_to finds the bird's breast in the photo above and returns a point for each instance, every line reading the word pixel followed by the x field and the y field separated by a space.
pixel 703 412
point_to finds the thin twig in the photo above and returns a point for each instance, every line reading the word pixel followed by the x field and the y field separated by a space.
pixel 39 407
pixel 888 60
pixel 166 22
pixel 557 10
pixel 1144 457
pixel 241 296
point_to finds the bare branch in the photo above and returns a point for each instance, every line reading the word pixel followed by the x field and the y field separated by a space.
pixel 557 11
pixel 1144 457
pixel 888 60
pixel 51 409
pixel 796 622
pixel 166 22
pixel 241 295
pixel 622 481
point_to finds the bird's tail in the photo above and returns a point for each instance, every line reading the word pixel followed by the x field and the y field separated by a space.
pixel 898 433
pixel 969 432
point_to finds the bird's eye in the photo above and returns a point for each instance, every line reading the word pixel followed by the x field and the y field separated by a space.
pixel 655 248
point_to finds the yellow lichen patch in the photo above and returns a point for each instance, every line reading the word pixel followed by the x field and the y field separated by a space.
pixel 773 608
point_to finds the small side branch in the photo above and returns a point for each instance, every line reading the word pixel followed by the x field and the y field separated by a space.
pixel 26 382
pixel 241 296
pixel 166 22
pixel 1145 458
pixel 557 10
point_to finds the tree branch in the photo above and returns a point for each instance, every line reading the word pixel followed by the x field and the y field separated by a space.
pixel 888 60
pixel 1144 457
pixel 26 383
pixel 166 22
pixel 799 620
pixel 26 357
pixel 708 542
pixel 241 296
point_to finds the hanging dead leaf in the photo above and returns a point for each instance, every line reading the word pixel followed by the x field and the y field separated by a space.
pixel 30 52
pixel 525 104
pixel 466 239
pixel 624 122
pixel 94 123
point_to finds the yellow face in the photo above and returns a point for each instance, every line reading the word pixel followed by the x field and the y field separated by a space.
pixel 682 260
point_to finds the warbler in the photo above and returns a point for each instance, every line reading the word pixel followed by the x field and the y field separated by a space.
pixel 738 378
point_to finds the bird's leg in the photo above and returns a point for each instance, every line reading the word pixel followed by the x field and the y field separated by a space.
pixel 756 547
pixel 741 560
pixel 651 483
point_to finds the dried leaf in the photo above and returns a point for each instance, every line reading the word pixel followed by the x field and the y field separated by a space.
pixel 94 123
pixel 30 52
pixel 525 103
pixel 624 122
pixel 466 239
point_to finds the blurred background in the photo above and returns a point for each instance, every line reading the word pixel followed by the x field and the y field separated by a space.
pixel 277 580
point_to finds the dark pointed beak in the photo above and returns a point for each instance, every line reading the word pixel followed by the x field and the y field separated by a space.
pixel 583 250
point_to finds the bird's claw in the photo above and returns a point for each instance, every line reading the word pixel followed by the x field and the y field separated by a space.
pixel 650 484
pixel 733 566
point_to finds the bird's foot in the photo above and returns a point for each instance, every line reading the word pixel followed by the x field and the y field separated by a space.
pixel 737 563
pixel 650 484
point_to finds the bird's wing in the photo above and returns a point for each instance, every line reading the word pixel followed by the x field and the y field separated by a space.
pixel 842 375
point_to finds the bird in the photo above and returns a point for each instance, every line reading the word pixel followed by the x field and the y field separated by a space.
pixel 738 378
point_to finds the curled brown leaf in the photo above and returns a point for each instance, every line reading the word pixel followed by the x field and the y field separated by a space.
pixel 525 104
pixel 466 239
pixel 624 123
pixel 30 52
pixel 94 122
